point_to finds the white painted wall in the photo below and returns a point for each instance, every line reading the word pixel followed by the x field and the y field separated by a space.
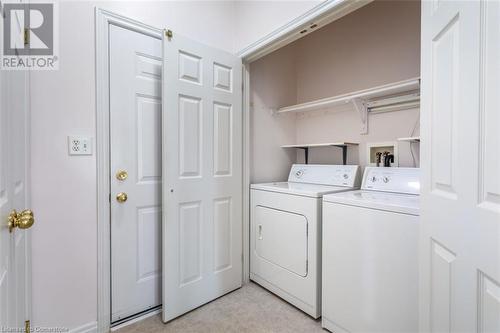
pixel 64 187
pixel 256 19
pixel 377 44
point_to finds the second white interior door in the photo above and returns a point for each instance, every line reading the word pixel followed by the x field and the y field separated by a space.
pixel 15 244
pixel 135 136
pixel 202 174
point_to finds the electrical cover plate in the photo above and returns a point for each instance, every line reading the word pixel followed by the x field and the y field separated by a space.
pixel 79 145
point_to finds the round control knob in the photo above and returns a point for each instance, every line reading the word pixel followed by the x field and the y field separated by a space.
pixel 374 179
pixel 346 176
pixel 385 179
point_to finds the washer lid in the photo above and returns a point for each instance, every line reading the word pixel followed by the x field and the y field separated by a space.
pixel 303 189
pixel 392 202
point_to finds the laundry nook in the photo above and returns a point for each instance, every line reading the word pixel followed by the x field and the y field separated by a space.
pixel 252 166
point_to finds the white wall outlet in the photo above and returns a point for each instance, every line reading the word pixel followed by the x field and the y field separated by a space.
pixel 79 145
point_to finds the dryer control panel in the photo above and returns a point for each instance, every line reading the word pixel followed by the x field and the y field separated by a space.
pixel 397 180
pixel 325 174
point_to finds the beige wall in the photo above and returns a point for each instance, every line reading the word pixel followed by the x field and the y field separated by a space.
pixel 377 44
pixel 273 83
pixel 343 124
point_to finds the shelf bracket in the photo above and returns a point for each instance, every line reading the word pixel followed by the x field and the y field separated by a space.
pixel 344 154
pixel 306 154
pixel 362 108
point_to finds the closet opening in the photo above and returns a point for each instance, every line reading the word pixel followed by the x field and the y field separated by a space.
pixel 343 97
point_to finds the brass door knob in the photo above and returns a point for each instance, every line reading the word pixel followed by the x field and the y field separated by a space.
pixel 22 220
pixel 121 175
pixel 121 197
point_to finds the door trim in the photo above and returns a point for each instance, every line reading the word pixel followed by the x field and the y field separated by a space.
pixel 103 19
pixel 245 108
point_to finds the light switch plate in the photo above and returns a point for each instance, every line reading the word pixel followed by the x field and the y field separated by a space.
pixel 79 145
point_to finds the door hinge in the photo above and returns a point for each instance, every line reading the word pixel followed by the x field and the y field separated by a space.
pixel 27 326
pixel 26 36
pixel 169 33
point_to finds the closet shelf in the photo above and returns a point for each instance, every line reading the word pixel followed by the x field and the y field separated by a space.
pixel 367 94
pixel 410 139
pixel 317 145
pixel 306 147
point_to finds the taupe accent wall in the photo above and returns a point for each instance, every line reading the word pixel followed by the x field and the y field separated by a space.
pixel 375 45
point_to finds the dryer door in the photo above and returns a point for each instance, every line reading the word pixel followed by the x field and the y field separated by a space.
pixel 281 238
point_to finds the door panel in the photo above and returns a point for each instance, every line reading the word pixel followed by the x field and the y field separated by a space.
pixel 135 129
pixel 223 236
pixel 489 304
pixel 190 249
pixel 223 131
pixel 460 215
pixel 444 123
pixel 489 133
pixel 203 175
pixel 190 136
pixel 442 264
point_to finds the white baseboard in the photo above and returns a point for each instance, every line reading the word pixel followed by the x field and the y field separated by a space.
pixel 86 328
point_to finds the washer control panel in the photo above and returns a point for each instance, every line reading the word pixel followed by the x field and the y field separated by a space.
pixel 325 174
pixel 400 180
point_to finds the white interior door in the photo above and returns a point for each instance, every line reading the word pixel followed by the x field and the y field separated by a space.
pixel 202 168
pixel 135 144
pixel 15 264
pixel 460 213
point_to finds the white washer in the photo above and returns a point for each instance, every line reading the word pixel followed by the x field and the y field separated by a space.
pixel 370 254
pixel 285 237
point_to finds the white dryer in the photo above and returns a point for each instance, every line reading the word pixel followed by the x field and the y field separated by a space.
pixel 370 254
pixel 285 237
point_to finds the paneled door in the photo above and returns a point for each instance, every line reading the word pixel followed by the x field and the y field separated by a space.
pixel 460 213
pixel 15 242
pixel 202 169
pixel 135 61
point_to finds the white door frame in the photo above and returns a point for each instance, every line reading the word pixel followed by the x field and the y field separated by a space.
pixel 103 19
pixel 324 13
